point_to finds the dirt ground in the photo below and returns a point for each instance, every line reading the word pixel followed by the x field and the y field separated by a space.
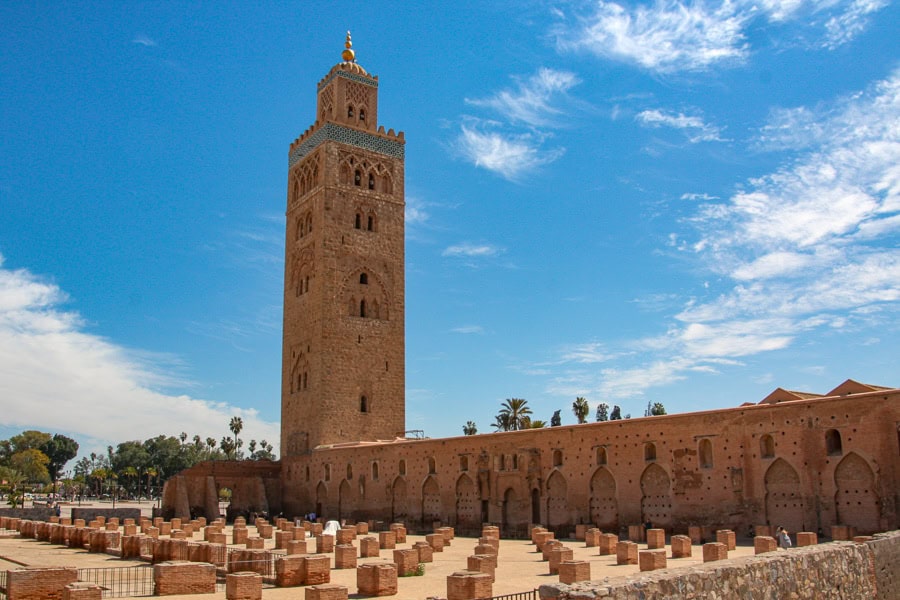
pixel 519 569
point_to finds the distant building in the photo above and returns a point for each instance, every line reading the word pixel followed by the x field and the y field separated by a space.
pixel 800 460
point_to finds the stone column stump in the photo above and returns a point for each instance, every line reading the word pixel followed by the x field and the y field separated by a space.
pixel 681 546
pixel 469 585
pixel 483 563
pixel 327 591
pixel 764 543
pixel 636 533
pixel 425 552
pixel 178 577
pixel 368 547
pixel 376 579
pixel 806 538
pixel 656 539
pixel 727 537
pixel 243 586
pixel 324 543
pixel 82 590
pixel 592 538
pixel 626 553
pixel 407 562
pixel 713 551
pixel 571 571
pixel 387 540
pixel 607 544
pixel 559 554
pixel 436 541
pixel 651 560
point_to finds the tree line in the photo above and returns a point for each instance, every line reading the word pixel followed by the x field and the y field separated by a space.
pixel 35 460
pixel 515 415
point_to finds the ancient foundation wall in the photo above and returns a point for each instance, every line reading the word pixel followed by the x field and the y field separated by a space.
pixel 90 514
pixel 837 570
pixel 38 513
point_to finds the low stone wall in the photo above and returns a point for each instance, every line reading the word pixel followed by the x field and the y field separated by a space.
pixel 91 514
pixel 38 513
pixel 838 570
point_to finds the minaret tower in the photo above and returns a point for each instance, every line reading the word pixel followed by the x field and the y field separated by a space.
pixel 343 352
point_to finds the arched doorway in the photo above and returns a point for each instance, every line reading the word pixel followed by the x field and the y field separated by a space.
pixel 431 501
pixel 656 499
pixel 557 502
pixel 507 516
pixel 466 503
pixel 345 500
pixel 855 498
pixel 321 499
pixel 535 505
pixel 399 510
pixel 784 504
pixel 604 508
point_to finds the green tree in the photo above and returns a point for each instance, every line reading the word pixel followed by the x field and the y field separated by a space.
pixel 227 446
pixel 32 464
pixel 602 412
pixel 515 410
pixel 236 425
pixel 29 440
pixel 501 422
pixel 60 450
pixel 657 409
pixel 616 413
pixel 581 408
pixel 556 420
pixel 470 428
pixel 537 424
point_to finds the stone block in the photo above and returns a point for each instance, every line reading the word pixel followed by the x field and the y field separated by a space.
pixel 592 538
pixel 399 532
pixel 217 538
pixel 376 579
pixel 656 539
pixel 571 571
pixel 626 553
pixel 696 534
pixel 651 560
pixel 82 590
pixel 240 522
pixel 178 534
pixel 282 538
pixel 580 530
pixel 324 543
pixel 316 569
pixel 297 547
pixel 299 533
pixel 541 537
pixel 39 583
pixel 469 585
pixel 256 543
pixel 407 561
pixel 239 536
pixel 179 577
pixel 607 544
pixel 485 549
pixel 327 591
pixel 483 563
pixel 681 546
pixel 368 547
pixel 764 530
pixel 549 545
pixel 153 532
pixel 436 541
pixel 426 554
pixel 713 551
pixel 534 530
pixel 387 540
pixel 558 555
pixel 490 531
pixel 447 532
pixel 165 528
pixel 129 529
pixel 491 541
pixel 243 586
pixel 289 571
pixel 636 533
pixel 842 532
pixel 362 528
pixel 727 537
pixel 862 539
pixel 344 536
pixel 345 556
pixel 256 561
pixel 764 543
pixel 265 531
pixel 175 523
pixel 806 538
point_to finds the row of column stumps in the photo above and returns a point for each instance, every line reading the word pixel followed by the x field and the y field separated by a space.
pixel 298 568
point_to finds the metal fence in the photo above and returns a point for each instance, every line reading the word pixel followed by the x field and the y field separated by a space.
pixel 120 582
pixel 532 595
pixel 2 585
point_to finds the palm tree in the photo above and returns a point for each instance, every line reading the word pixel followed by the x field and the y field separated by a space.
pixel 581 408
pixel 470 428
pixel 501 422
pixel 236 425
pixel 150 472
pixel 130 473
pixel 515 409
pixel 537 424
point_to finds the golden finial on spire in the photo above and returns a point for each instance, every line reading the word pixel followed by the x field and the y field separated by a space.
pixel 348 54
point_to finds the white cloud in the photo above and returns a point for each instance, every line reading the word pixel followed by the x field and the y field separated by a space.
pixel 694 128
pixel 665 36
pixel 586 353
pixel 532 102
pixel 509 155
pixel 470 250
pixel 56 376
pixel 468 329
pixel 415 213
pixel 143 40
pixel 695 197
pixel 671 36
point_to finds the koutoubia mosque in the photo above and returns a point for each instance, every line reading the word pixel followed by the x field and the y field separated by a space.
pixel 802 460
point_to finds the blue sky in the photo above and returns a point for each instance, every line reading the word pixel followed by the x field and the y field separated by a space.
pixel 689 203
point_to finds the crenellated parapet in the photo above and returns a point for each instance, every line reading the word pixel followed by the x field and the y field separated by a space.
pixel 385 142
pixel 348 70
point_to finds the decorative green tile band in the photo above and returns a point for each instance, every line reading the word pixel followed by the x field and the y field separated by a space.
pixel 346 135
pixel 350 76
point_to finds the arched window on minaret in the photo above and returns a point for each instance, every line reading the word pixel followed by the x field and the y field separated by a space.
pixel 362 114
pixel 357 178
pixel 358 223
pixel 363 404
pixel 370 225
pixel 349 111
pixel 364 278
pixel 362 308
pixel 371 181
